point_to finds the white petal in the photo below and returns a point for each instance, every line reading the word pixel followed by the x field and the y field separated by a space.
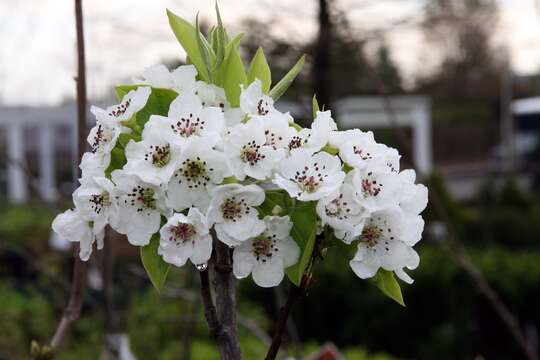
pixel 269 273
pixel 243 262
pixel 202 250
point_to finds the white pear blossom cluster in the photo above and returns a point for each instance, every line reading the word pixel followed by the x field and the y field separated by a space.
pixel 202 169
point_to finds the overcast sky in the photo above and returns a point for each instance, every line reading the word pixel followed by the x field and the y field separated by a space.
pixel 37 38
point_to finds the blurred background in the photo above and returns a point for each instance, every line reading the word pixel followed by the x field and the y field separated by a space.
pixel 453 84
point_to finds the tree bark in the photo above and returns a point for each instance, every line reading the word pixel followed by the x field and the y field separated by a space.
pixel 225 287
pixel 322 61
pixel 73 309
pixel 221 317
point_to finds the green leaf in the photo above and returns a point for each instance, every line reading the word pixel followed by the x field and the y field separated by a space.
pixel 315 106
pixel 233 75
pixel 330 149
pixel 187 36
pixel 158 102
pixel 220 71
pixel 388 284
pixel 204 48
pixel 118 160
pixel 272 199
pixel 304 231
pixel 221 39
pixel 233 44
pixel 259 69
pixel 155 267
pixel 283 84
pixel 124 138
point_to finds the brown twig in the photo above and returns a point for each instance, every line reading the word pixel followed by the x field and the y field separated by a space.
pixel 225 287
pixel 295 293
pixel 209 308
pixel 73 308
pixel 221 317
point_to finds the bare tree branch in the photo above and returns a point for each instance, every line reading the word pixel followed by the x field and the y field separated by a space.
pixel 73 308
pixel 295 293
pixel 209 308
pixel 225 287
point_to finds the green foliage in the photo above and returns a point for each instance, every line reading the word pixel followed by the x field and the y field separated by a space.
pixel 187 36
pixel 275 200
pixel 279 89
pixel 118 160
pixel 208 54
pixel 233 76
pixel 304 231
pixel 155 267
pixel 259 69
pixel 386 282
pixel 25 224
pixel 314 106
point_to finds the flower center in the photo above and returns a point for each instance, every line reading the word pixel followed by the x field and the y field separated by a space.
pixel 99 201
pixel 371 187
pixel 189 126
pixel 159 155
pixel 295 142
pixel 120 109
pixel 250 153
pixel 371 235
pixel 272 138
pixel 194 171
pixel 337 208
pixel 232 209
pixel 364 155
pixel 309 180
pixel 262 107
pixel 101 137
pixel 144 197
pixel 263 246
pixel 182 233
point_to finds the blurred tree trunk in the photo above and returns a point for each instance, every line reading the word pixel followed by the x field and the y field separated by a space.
pixel 321 68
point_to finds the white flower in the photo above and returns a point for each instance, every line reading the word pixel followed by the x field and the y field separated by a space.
pixel 132 102
pixel 266 256
pixel 200 169
pixel 253 102
pixel 155 158
pixel 343 213
pixel 183 78
pixel 232 211
pixel 185 237
pixel 359 149
pixel 72 226
pixel 413 198
pixel 103 136
pixel 381 245
pixel 211 95
pixel 93 200
pixel 140 206
pixel 316 137
pixel 276 129
pixel 157 76
pixel 308 176
pixel 92 165
pixel 375 190
pixel 188 119
pixel 248 152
